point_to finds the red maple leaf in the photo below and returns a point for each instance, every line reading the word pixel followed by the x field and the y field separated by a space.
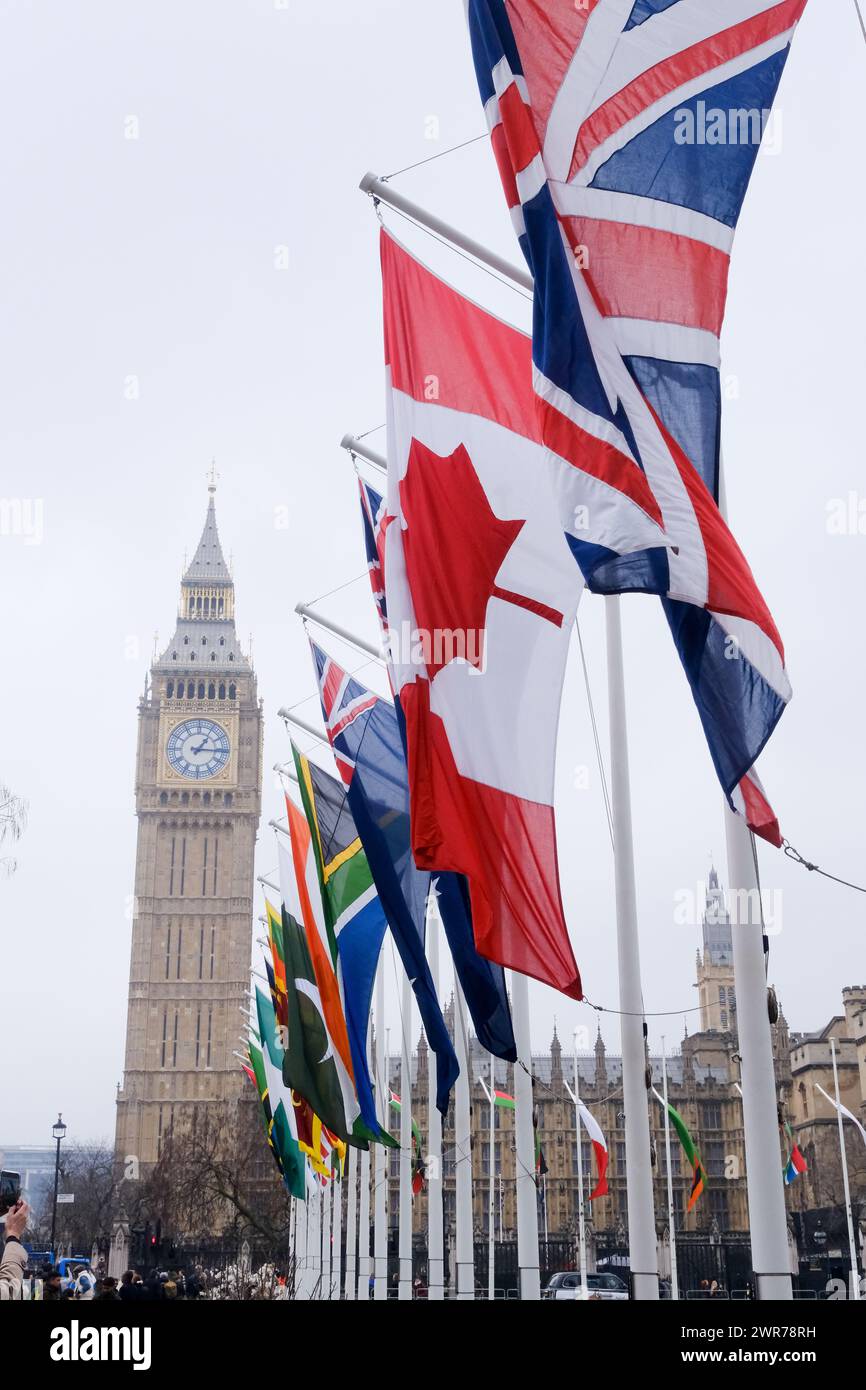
pixel 454 544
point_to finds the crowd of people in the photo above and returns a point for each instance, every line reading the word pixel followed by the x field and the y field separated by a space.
pixel 21 1277
pixel 80 1283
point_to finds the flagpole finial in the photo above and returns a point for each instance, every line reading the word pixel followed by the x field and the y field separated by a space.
pixel 212 477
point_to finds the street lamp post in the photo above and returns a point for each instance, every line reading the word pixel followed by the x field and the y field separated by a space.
pixel 59 1132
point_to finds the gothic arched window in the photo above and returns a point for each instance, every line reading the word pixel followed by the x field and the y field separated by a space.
pixel 222 692
pixel 211 691
pixel 180 690
pixel 169 690
pixel 233 693
pixel 201 690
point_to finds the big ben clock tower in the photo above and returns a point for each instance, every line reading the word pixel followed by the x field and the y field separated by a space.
pixel 198 801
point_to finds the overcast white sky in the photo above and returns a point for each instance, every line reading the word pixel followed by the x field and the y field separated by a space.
pixel 156 258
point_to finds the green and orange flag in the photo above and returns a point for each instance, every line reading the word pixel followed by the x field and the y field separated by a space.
pixel 699 1173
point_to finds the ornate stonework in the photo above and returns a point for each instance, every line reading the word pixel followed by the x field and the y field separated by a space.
pixel 198 802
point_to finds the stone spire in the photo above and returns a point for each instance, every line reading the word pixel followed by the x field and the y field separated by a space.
pixel 448 1016
pixel 208 565
pixel 600 1062
pixel 716 925
pixel 422 1056
pixel 556 1061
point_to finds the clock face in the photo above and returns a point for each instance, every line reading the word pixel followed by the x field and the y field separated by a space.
pixel 198 749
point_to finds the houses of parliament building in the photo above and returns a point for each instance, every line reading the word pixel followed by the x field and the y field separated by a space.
pixel 702 1085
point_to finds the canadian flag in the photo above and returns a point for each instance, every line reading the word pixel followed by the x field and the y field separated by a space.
pixel 482 593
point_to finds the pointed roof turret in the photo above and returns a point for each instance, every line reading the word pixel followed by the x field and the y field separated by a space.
pixel 208 565
pixel 205 633
pixel 600 1059
pixel 555 1058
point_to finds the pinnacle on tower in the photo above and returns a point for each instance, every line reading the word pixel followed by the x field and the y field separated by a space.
pixel 600 1059
pixel 205 634
pixel 555 1057
pixel 208 565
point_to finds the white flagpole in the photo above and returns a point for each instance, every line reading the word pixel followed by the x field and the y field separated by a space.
pixel 463 1155
pixel 855 1277
pixel 364 1264
pixel 675 1287
pixel 581 1215
pixel 337 1241
pixel 307 1256
pixel 491 1234
pixel 768 1220
pixel 435 1257
pixel 316 1262
pixel 380 1187
pixel 305 611
pixel 765 1184
pixel 527 1193
pixel 384 193
pixel 351 1181
pixel 321 1247
pixel 300 1290
pixel 643 1250
pixel 364 1229
pixel 327 1246
pixel 405 1238
pixel 500 1208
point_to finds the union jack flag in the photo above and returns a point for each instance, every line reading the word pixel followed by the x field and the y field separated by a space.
pixel 376 521
pixel 622 130
pixel 344 701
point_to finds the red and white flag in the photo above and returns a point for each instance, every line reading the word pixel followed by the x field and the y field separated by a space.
pixel 597 1139
pixel 482 593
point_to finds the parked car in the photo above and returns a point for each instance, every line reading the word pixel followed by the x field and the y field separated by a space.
pixel 566 1284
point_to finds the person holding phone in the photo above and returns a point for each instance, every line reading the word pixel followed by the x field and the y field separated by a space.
pixel 14 1255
